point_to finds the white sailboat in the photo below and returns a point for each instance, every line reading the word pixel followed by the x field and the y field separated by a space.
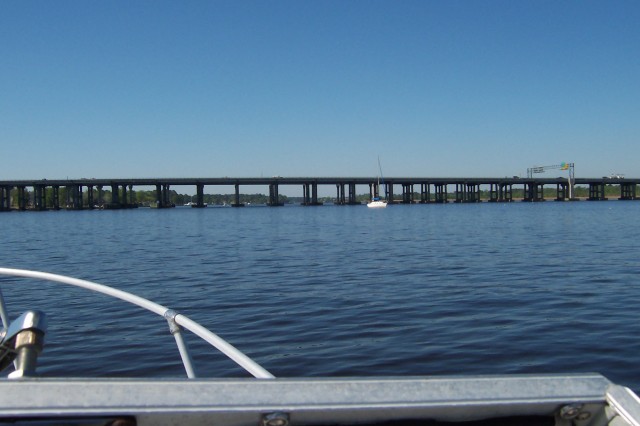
pixel 376 202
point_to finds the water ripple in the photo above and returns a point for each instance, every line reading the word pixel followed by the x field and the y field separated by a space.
pixel 435 289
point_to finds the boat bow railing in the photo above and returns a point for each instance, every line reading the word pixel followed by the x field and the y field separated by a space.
pixel 176 320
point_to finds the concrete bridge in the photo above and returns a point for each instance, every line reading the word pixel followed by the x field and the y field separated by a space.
pixel 410 190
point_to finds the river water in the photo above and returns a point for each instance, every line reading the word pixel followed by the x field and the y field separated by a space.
pixel 340 290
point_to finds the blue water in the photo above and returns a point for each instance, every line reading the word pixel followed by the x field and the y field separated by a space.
pixel 340 290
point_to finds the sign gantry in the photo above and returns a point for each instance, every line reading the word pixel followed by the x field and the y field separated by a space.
pixel 562 166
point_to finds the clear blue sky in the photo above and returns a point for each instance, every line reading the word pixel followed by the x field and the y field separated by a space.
pixel 317 88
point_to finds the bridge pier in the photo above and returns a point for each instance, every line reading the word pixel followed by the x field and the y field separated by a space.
pixel 115 198
pixel 163 196
pixel 91 204
pixel 237 202
pixel 628 191
pixel 460 193
pixel 166 196
pixel 120 199
pixel 199 196
pixel 22 198
pixel 39 198
pixel 55 195
pixel 533 192
pixel 473 193
pixel 561 191
pixel 467 193
pixel 425 193
pixel 5 198
pixel 440 193
pixel 100 197
pixel 596 191
pixel 306 198
pixel 340 198
pixel 123 200
pixel 158 196
pixel 310 194
pixel 374 192
pixel 505 193
pixel 133 204
pixel 407 193
pixel 314 195
pixel 353 197
pixel 274 196
pixel 74 197
pixel 78 203
pixel 493 192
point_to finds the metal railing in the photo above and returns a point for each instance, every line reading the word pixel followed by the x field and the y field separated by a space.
pixel 175 320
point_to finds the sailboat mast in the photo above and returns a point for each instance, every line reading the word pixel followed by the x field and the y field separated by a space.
pixel 381 177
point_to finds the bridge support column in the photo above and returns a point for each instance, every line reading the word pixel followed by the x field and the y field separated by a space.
pixel 237 197
pixel 596 191
pixel 374 192
pixel 388 192
pixel 123 200
pixel 90 201
pixel 314 194
pixel 310 194
pixel 561 191
pixel 199 196
pixel 100 197
pixel 407 193
pixel 55 192
pixel 306 198
pixel 440 193
pixel 22 198
pixel 340 197
pixel 493 192
pixel 352 194
pixel 74 197
pixel 425 193
pixel 115 197
pixel 505 193
pixel 159 196
pixel 533 191
pixel 628 191
pixel 166 196
pixel 39 198
pixel 163 196
pixel 274 196
pixel 461 193
pixel 77 197
pixel 5 198
pixel 132 198
pixel 473 193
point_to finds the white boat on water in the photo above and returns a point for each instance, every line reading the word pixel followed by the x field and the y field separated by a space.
pixel 523 400
pixel 377 203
